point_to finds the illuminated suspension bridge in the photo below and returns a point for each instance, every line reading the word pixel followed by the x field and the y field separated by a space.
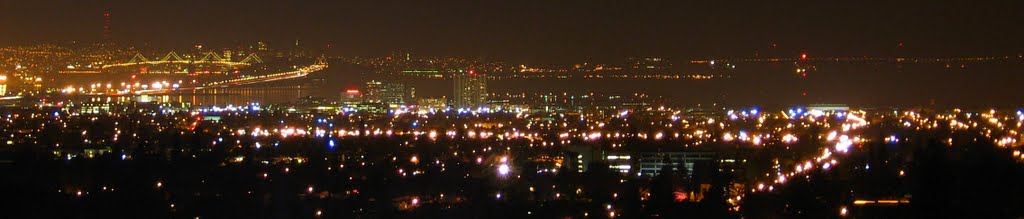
pixel 174 58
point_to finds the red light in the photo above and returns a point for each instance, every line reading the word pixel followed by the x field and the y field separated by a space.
pixel 804 75
pixel 803 56
pixel 352 91
pixel 471 72
pixel 680 196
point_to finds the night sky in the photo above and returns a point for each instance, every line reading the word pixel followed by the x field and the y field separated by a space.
pixel 541 31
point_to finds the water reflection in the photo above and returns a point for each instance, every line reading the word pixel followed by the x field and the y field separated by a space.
pixel 234 95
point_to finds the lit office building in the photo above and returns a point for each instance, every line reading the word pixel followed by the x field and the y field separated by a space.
pixel 351 97
pixel 389 93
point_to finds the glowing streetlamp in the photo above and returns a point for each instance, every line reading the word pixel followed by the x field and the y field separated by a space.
pixel 503 169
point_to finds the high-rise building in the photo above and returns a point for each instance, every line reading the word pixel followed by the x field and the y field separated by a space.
pixel 227 55
pixel 389 93
pixel 261 46
pixel 351 97
pixel 470 90
pixel 106 26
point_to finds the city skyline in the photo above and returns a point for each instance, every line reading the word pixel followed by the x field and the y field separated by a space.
pixel 511 109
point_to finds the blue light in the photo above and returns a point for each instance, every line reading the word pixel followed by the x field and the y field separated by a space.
pixel 330 143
